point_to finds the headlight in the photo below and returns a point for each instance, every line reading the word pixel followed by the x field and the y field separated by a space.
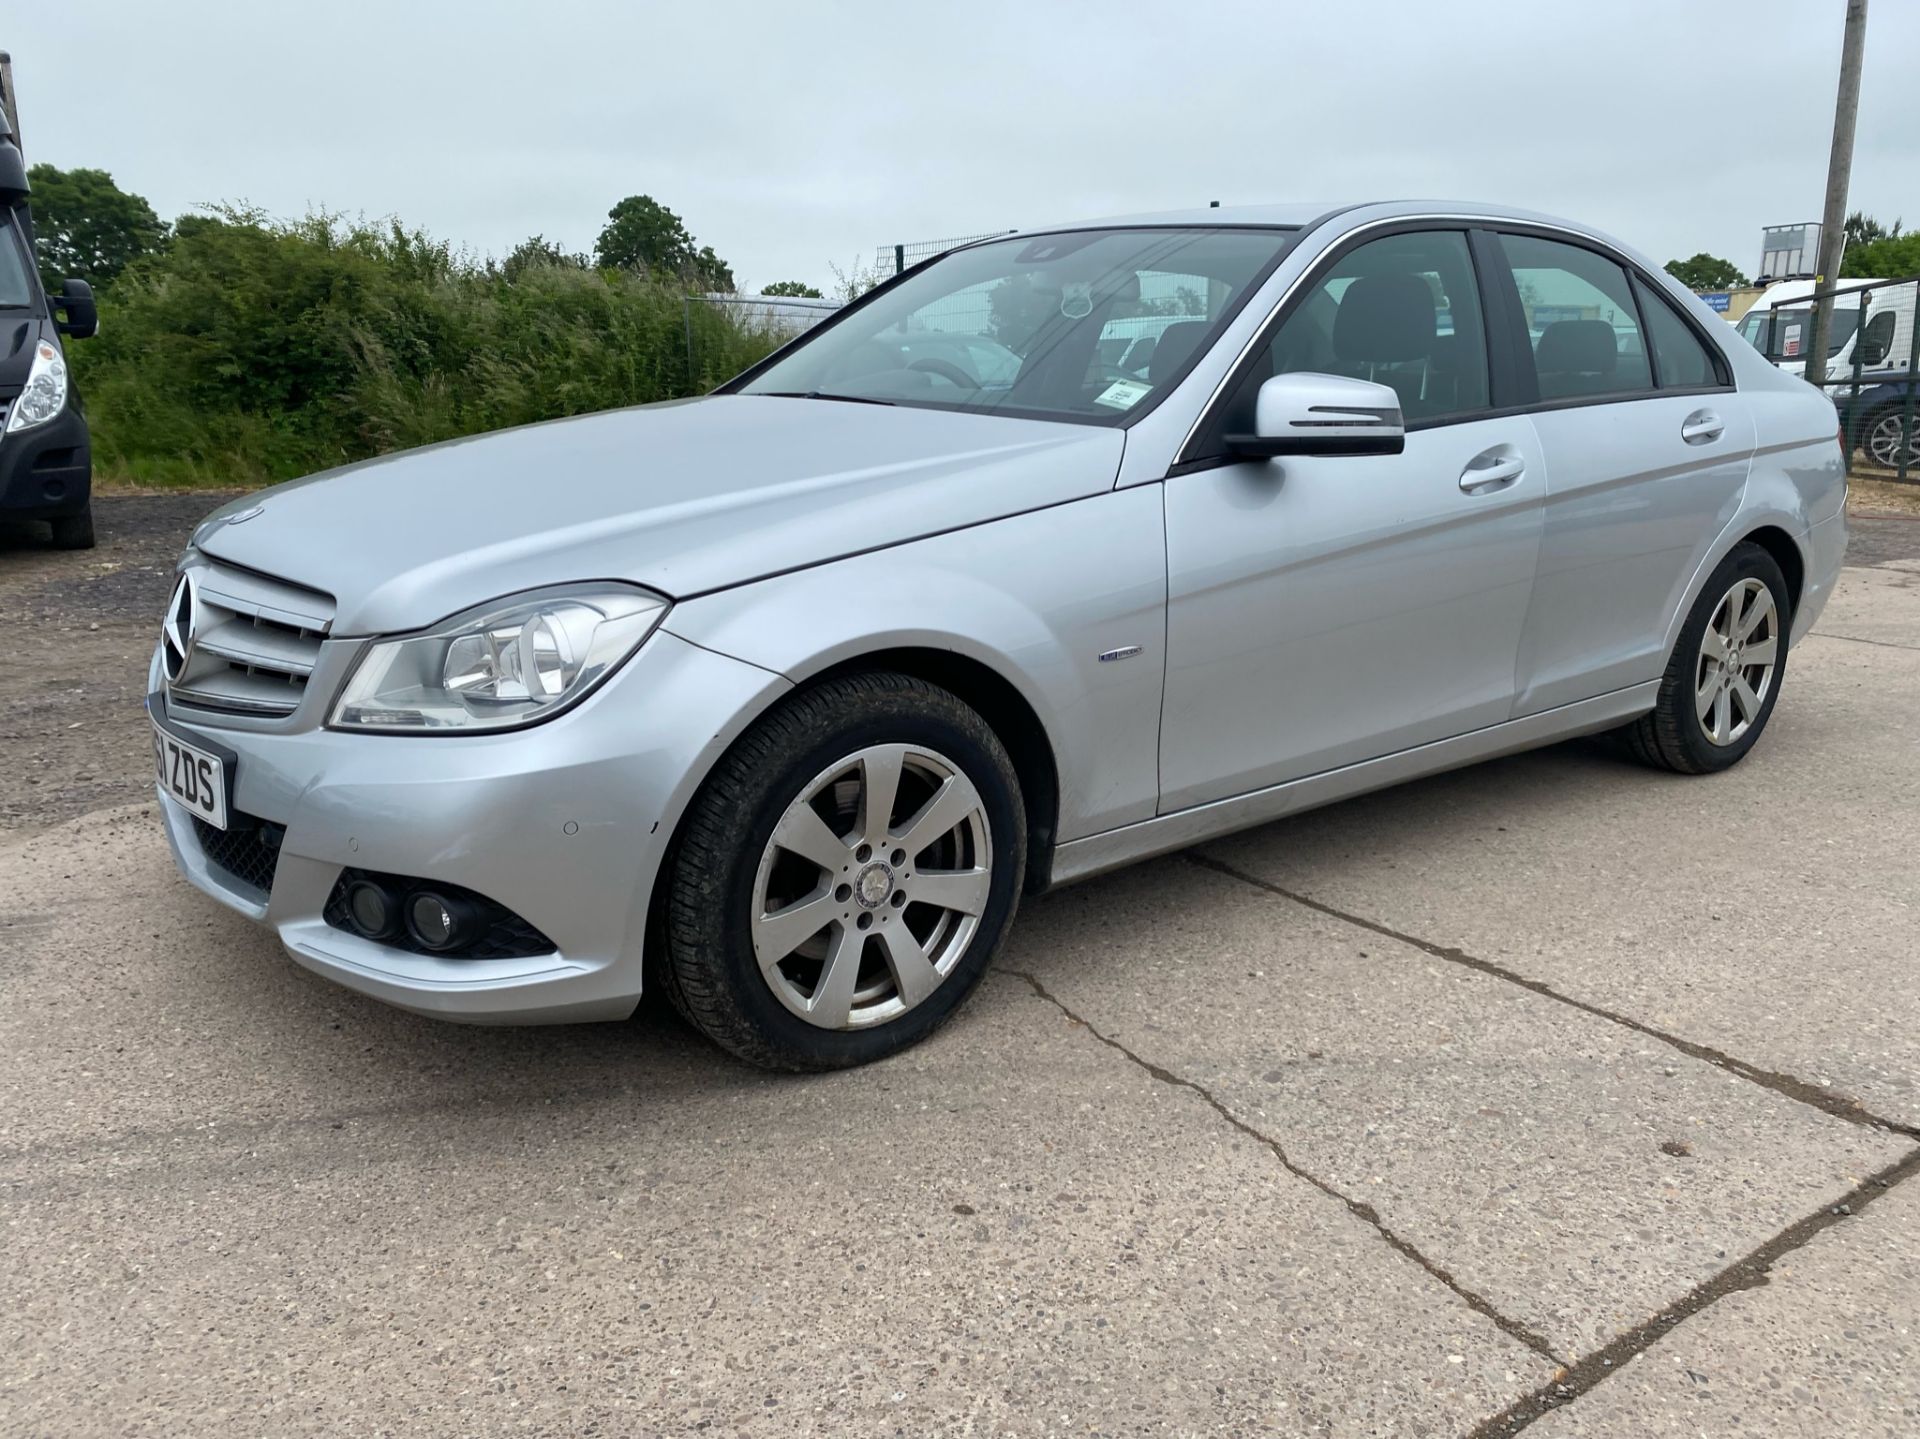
pixel 46 390
pixel 509 663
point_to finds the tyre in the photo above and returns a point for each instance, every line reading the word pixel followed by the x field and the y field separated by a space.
pixel 74 532
pixel 1883 437
pixel 843 878
pixel 1724 675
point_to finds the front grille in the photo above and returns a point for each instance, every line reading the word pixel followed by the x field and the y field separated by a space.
pixel 247 852
pixel 254 640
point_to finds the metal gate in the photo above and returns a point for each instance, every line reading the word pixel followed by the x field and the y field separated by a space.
pixel 1878 373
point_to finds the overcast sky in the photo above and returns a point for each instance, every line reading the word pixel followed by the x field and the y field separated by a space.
pixel 792 136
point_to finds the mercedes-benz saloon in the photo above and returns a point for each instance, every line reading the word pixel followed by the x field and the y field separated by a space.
pixel 781 698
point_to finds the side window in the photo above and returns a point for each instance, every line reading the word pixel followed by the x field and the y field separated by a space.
pixel 1877 339
pixel 1581 320
pixel 1401 311
pixel 1679 356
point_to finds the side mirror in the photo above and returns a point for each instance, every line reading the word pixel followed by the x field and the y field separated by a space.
pixel 80 317
pixel 1872 351
pixel 1309 414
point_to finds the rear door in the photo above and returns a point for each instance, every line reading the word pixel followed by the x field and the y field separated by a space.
pixel 1647 446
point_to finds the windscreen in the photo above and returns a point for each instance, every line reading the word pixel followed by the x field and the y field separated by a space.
pixel 1083 326
pixel 16 286
pixel 1785 334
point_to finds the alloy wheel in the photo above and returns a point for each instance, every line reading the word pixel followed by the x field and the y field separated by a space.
pixel 1739 652
pixel 872 886
pixel 1887 440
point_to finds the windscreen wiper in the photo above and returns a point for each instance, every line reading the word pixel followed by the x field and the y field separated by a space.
pixel 821 395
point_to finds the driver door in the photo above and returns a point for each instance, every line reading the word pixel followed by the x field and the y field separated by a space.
pixel 1326 610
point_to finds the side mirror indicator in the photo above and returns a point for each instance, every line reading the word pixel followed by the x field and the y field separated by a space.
pixel 1313 414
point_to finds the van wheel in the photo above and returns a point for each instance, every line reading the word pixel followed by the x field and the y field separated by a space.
pixel 845 875
pixel 74 532
pixel 1885 439
pixel 1724 676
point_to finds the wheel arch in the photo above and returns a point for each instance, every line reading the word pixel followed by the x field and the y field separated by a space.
pixel 1773 534
pixel 989 693
pixel 1786 554
pixel 1008 712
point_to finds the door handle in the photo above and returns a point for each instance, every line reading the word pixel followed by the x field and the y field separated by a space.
pixel 1702 427
pixel 1492 470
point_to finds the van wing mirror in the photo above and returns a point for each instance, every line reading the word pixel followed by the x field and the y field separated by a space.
pixel 1310 414
pixel 79 316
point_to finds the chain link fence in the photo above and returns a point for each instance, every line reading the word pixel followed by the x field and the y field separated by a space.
pixel 1874 371
pixel 892 259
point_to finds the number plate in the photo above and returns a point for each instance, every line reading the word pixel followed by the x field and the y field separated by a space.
pixel 192 776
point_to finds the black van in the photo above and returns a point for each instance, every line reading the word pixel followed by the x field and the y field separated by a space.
pixel 46 465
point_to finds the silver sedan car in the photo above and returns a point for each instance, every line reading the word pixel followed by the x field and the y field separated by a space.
pixel 782 698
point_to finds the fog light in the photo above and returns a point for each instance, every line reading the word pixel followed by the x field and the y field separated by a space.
pixel 372 910
pixel 441 922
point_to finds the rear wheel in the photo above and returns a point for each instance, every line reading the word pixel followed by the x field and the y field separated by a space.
pixel 845 875
pixel 74 532
pixel 1724 676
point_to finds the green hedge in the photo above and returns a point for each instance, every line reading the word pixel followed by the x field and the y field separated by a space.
pixel 251 350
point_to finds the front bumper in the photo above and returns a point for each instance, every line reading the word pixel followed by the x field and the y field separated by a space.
pixel 46 471
pixel 565 823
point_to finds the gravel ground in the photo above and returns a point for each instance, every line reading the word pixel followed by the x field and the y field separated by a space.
pixel 81 627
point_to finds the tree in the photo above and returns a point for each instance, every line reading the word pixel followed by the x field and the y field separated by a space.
pixel 1017 309
pixel 1863 229
pixel 88 226
pixel 1892 258
pixel 711 272
pixel 1706 272
pixel 642 234
pixel 794 288
pixel 537 252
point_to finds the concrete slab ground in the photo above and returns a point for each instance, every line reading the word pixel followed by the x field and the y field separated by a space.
pixel 239 1200
pixel 1553 1094
pixel 1829 1346
pixel 1769 913
pixel 1576 1174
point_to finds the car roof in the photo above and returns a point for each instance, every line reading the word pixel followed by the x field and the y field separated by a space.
pixel 1303 213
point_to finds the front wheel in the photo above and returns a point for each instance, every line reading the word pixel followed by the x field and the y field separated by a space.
pixel 845 875
pixel 74 532
pixel 1724 675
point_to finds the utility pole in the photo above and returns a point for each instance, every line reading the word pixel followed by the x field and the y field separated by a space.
pixel 1833 219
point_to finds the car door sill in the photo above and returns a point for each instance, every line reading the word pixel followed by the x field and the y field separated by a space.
pixel 1095 854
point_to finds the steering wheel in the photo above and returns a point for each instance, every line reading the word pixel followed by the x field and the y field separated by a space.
pixel 946 370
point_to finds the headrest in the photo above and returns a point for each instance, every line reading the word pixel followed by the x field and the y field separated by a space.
pixel 1177 343
pixel 1584 347
pixel 1384 318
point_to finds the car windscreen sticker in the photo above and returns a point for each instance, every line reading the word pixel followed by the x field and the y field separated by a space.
pixel 1123 394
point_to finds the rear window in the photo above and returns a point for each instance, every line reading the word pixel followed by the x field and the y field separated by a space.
pixel 1680 355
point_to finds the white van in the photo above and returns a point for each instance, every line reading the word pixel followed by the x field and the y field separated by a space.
pixel 1780 326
